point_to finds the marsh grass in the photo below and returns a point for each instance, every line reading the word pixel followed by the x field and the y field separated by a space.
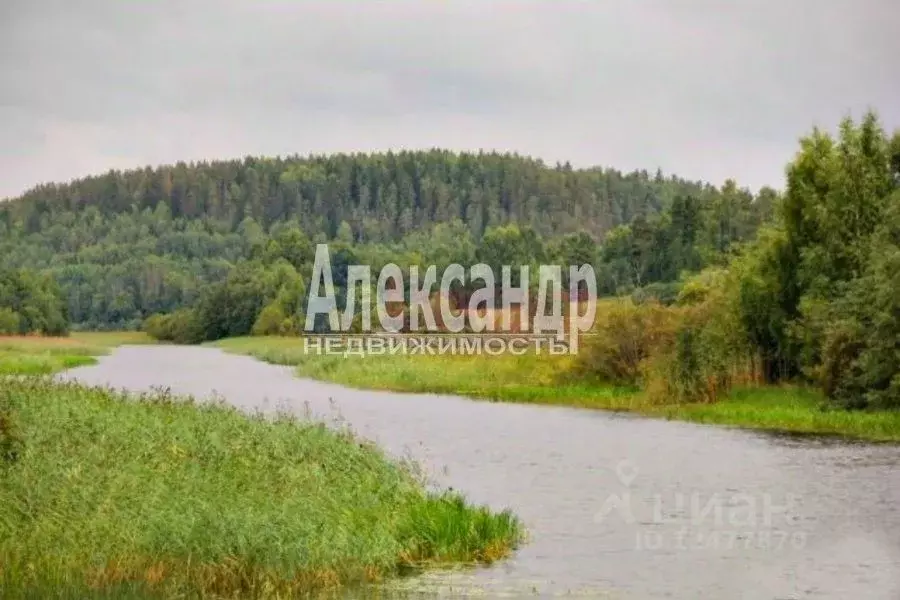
pixel 43 356
pixel 789 409
pixel 528 378
pixel 37 355
pixel 106 495
pixel 548 379
pixel 111 339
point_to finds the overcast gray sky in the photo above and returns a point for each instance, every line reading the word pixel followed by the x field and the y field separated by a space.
pixel 706 89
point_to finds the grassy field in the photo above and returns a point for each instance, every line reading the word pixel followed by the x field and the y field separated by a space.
pixel 526 378
pixel 547 380
pixel 34 355
pixel 111 339
pixel 102 495
pixel 788 409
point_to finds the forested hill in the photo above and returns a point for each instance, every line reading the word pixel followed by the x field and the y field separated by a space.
pixel 127 244
pixel 381 196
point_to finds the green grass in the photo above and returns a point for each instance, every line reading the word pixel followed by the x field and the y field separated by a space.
pixel 546 379
pixel 528 378
pixel 789 409
pixel 39 364
pixel 111 339
pixel 104 495
pixel 34 355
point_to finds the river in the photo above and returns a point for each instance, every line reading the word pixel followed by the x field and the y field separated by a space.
pixel 616 506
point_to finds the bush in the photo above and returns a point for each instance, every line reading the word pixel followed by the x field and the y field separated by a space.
pixel 705 358
pixel 708 351
pixel 697 288
pixel 271 320
pixel 180 327
pixel 625 335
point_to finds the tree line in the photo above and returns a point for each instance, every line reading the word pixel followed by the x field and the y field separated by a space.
pixel 814 297
pixel 127 245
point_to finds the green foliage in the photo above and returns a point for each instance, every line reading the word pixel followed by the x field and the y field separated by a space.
pixel 10 321
pixel 764 279
pixel 624 337
pixel 836 196
pixel 229 308
pixel 690 352
pixel 839 259
pixel 510 245
pixel 861 341
pixel 176 499
pixel 697 231
pixel 31 303
pixel 271 321
pixel 697 288
pixel 662 292
pixel 181 327
pixel 577 249
pixel 708 352
pixel 126 245
pixel 816 294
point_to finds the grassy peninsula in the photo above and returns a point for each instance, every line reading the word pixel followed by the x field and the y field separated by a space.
pixel 104 494
pixel 43 355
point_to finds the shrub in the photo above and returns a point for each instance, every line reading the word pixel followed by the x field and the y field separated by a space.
pixel 702 362
pixel 697 288
pixel 270 320
pixel 708 351
pixel 624 336
pixel 180 327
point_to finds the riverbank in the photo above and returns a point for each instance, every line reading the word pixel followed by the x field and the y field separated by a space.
pixel 545 380
pixel 35 355
pixel 177 499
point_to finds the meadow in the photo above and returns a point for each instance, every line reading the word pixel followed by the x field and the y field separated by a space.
pixel 549 379
pixel 40 355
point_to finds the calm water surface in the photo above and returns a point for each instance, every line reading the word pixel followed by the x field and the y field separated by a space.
pixel 616 506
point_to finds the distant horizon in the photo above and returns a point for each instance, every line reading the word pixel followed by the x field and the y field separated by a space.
pixel 549 163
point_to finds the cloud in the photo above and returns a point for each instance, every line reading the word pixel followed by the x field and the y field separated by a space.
pixel 700 88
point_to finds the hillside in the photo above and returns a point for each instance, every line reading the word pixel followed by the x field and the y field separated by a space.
pixel 128 244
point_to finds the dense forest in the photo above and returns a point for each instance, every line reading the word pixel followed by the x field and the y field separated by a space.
pixel 724 285
pixel 127 245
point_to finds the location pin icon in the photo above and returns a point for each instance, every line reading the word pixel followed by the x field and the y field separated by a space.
pixel 626 472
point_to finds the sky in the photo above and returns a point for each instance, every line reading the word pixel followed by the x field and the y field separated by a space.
pixel 705 89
